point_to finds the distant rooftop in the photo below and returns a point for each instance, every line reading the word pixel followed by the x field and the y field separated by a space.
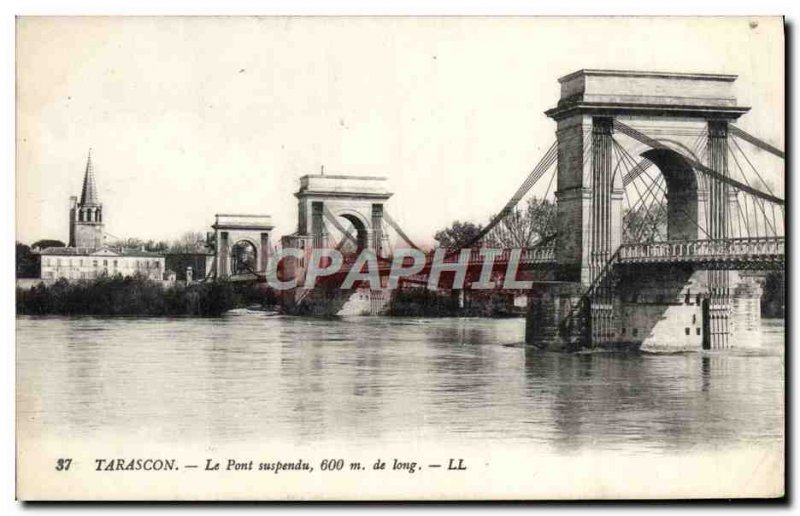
pixel 89 195
pixel 87 251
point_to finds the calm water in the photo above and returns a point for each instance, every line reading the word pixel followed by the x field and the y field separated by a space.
pixel 251 377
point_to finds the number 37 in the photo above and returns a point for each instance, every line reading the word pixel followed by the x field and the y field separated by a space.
pixel 63 464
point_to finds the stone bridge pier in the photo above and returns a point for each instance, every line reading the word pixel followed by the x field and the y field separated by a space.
pixel 597 301
pixel 343 212
pixel 243 245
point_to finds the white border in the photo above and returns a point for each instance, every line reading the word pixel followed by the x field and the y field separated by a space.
pixel 791 9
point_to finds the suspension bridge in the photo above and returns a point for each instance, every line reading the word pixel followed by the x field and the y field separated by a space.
pixel 663 208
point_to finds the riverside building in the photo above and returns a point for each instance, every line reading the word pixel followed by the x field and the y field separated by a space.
pixel 87 256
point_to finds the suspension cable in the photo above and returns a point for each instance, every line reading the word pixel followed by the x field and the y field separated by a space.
pixel 743 215
pixel 636 171
pixel 545 163
pixel 630 158
pixel 618 157
pixel 761 205
pixel 689 217
pixel 648 191
pixel 642 203
pixel 754 169
pixel 638 135
pixel 348 235
pixel 398 229
pixel 631 209
pixel 761 144
pixel 650 218
pixel 736 144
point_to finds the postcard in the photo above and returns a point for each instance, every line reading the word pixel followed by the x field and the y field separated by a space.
pixel 400 258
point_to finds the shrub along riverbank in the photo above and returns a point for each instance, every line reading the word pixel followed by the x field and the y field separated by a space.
pixel 421 302
pixel 139 296
pixel 117 295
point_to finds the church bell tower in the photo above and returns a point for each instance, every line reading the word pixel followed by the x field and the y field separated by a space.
pixel 86 215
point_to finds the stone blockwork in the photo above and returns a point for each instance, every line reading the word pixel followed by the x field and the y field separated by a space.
pixel 355 202
pixel 327 206
pixel 88 235
pixel 86 228
pixel 658 307
pixel 745 320
pixel 243 244
pixel 574 197
pixel 556 320
pixel 336 302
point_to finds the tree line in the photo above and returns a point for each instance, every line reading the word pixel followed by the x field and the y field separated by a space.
pixel 523 227
pixel 138 296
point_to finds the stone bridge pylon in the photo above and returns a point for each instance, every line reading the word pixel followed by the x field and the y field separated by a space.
pixel 243 245
pixel 329 205
pixel 600 119
pixel 345 213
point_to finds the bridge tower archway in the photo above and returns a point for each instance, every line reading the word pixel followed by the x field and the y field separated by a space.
pixel 360 234
pixel 244 257
pixel 676 107
pixel 685 196
pixel 342 210
pixel 608 124
pixel 242 245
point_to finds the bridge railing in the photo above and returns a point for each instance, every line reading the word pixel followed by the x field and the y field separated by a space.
pixel 543 254
pixel 530 255
pixel 728 248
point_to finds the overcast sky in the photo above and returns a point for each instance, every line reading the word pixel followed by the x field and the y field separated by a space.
pixel 189 117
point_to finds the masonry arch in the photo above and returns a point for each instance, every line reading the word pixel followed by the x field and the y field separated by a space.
pixel 684 195
pixel 361 230
pixel 244 256
pixel 662 184
pixel 356 221
pixel 330 205
pixel 671 144
pixel 242 244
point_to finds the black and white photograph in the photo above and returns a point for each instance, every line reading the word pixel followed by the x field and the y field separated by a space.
pixel 400 258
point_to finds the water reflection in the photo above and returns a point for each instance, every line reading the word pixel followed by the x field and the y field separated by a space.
pixel 380 380
pixel 705 374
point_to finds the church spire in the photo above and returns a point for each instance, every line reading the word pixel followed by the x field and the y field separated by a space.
pixel 89 192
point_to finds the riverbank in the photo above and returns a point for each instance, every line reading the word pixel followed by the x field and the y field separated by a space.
pixel 421 302
pixel 138 296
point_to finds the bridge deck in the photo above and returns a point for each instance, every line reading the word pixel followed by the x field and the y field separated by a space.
pixel 733 253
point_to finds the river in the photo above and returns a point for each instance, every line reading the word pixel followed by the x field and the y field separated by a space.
pixel 243 378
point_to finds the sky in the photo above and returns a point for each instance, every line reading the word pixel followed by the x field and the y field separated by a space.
pixel 188 116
